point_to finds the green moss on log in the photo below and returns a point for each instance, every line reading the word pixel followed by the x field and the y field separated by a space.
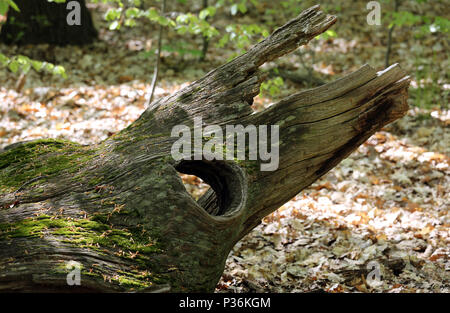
pixel 85 233
pixel 136 245
pixel 40 158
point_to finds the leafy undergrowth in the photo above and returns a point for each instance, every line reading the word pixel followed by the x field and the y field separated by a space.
pixel 378 222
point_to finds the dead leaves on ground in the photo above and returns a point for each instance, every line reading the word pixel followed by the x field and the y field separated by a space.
pixel 373 224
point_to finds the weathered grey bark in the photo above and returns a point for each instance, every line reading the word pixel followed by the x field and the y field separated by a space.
pixel 121 210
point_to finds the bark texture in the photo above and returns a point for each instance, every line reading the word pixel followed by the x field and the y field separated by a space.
pixel 40 21
pixel 121 210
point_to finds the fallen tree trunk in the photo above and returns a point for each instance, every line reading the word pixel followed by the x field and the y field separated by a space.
pixel 119 207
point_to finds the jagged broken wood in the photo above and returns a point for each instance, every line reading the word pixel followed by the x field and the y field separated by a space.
pixel 119 207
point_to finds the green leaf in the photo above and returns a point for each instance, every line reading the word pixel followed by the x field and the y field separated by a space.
pixel 328 34
pixel 132 12
pixel 114 25
pixel 26 67
pixel 3 7
pixel 14 66
pixel 234 9
pixel 152 14
pixel 242 7
pixel 112 14
pixel 272 86
pixel 23 59
pixel 163 20
pixel 48 66
pixel 182 18
pixel 59 70
pixel 203 14
pixel 223 41
pixel 129 22
pixel 13 5
pixel 182 29
pixel 37 65
pixel 209 11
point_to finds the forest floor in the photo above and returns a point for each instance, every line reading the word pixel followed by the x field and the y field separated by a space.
pixel 378 222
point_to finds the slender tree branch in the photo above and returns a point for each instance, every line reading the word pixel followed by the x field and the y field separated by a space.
pixel 391 30
pixel 158 57
pixel 205 39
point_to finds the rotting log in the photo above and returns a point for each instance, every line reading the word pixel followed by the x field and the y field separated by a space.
pixel 119 207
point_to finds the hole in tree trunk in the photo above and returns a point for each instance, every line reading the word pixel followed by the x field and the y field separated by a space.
pixel 226 180
pixel 194 185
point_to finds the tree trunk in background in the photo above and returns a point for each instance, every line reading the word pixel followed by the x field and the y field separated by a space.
pixel 40 21
pixel 119 207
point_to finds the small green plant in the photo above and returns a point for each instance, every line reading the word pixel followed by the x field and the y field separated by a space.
pixel 428 92
pixel 326 35
pixel 242 35
pixel 272 86
pixel 428 24
pixel 24 63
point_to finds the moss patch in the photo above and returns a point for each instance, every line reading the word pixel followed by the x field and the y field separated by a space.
pixel 133 245
pixel 86 233
pixel 46 157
